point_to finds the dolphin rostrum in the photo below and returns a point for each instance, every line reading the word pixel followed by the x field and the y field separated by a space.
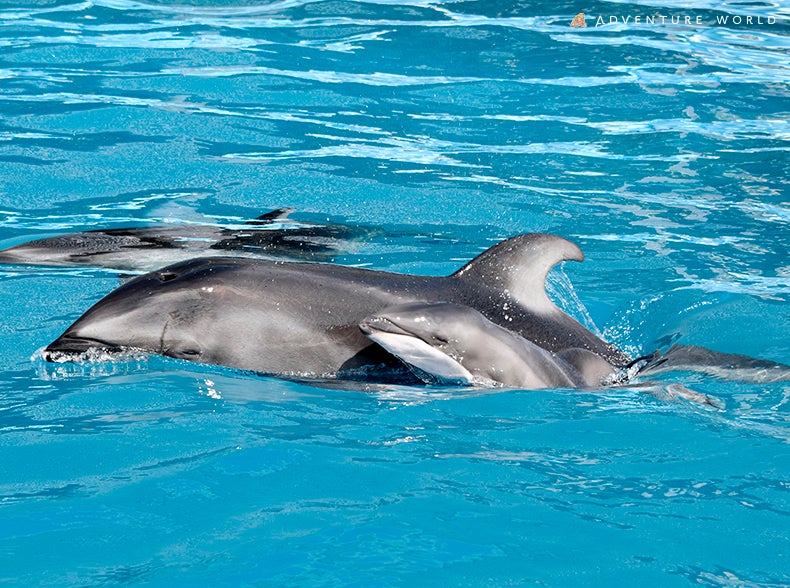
pixel 453 344
pixel 142 249
pixel 302 319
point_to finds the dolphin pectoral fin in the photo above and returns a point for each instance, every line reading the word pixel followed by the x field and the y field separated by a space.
pixel 279 214
pixel 520 266
pixel 679 391
pixel 428 364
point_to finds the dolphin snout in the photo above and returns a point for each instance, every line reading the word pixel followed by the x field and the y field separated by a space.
pixel 68 345
pixel 381 324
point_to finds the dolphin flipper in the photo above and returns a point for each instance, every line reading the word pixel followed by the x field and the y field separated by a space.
pixel 427 363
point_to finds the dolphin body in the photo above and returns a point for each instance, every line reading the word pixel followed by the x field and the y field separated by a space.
pixel 143 249
pixel 452 344
pixel 726 366
pixel 303 319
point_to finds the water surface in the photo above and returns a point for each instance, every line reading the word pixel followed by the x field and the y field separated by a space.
pixel 660 149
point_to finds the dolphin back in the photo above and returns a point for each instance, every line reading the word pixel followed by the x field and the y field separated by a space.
pixel 513 273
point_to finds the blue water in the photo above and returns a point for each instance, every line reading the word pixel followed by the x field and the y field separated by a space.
pixel 662 150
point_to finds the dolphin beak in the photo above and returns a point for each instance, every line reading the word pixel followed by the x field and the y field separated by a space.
pixel 380 324
pixel 69 345
pixel 10 255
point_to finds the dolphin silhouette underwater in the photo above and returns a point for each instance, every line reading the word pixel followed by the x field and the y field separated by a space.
pixel 143 249
pixel 320 321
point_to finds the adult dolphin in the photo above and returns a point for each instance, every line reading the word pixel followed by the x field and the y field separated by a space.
pixel 726 366
pixel 143 249
pixel 302 319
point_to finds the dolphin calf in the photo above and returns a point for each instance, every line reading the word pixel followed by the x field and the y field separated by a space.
pixel 141 249
pixel 303 319
pixel 453 344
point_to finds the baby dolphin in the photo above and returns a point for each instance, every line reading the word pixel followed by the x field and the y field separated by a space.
pixel 453 344
pixel 302 319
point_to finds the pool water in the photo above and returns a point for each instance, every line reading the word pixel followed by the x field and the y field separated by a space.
pixel 442 127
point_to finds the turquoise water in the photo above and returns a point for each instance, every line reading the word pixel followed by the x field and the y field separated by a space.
pixel 445 126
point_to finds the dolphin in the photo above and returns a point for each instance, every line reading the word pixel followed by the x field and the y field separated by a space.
pixel 453 344
pixel 726 366
pixel 303 319
pixel 143 249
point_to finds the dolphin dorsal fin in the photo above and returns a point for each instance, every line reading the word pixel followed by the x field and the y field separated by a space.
pixel 519 266
pixel 279 214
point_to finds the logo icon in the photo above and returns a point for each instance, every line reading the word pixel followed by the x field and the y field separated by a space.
pixel 578 20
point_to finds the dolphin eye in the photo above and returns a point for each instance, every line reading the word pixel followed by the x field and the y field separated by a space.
pixel 190 352
pixel 167 276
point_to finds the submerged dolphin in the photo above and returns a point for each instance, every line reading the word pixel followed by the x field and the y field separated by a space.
pixel 302 319
pixel 727 366
pixel 141 249
pixel 449 343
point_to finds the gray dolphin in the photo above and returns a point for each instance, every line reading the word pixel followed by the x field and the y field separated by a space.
pixel 142 249
pixel 727 366
pixel 453 344
pixel 302 319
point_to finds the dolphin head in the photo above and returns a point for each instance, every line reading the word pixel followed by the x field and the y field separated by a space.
pixel 431 338
pixel 447 327
pixel 159 312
